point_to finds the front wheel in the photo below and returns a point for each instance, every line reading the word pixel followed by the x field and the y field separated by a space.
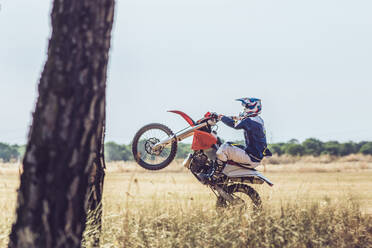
pixel 144 141
pixel 245 198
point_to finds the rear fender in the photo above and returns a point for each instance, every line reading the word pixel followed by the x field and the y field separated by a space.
pixel 265 179
pixel 233 171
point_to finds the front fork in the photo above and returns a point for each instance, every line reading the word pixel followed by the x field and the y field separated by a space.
pixel 189 131
pixel 178 136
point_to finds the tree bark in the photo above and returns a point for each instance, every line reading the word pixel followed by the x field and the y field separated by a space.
pixel 92 235
pixel 66 137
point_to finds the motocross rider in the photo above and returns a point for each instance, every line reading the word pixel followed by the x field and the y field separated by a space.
pixel 255 147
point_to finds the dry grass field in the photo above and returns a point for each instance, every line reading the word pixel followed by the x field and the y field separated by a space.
pixel 312 204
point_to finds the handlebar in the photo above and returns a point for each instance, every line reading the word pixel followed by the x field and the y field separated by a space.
pixel 209 116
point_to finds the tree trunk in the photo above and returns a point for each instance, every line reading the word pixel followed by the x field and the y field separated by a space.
pixel 66 137
pixel 92 235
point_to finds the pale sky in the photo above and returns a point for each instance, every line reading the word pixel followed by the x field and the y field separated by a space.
pixel 309 61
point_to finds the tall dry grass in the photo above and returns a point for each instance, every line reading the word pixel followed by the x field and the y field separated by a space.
pixel 302 210
pixel 294 225
pixel 169 208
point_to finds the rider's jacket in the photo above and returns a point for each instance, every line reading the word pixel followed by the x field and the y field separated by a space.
pixel 254 134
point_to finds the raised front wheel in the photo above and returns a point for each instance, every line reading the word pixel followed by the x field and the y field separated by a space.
pixel 144 151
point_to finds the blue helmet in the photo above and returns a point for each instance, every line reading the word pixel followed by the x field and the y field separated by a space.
pixel 252 107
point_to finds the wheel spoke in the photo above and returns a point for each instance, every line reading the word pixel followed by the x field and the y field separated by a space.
pixel 145 146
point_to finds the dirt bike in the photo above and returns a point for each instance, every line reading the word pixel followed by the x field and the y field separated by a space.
pixel 155 146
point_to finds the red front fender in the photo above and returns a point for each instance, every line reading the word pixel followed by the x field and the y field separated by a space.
pixel 184 116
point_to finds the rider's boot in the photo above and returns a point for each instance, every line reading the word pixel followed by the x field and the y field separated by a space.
pixel 219 165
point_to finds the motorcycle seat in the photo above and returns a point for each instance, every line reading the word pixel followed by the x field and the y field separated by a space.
pixel 245 166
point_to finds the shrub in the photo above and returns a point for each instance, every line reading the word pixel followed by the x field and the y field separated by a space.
pixel 295 149
pixel 313 147
pixel 366 149
pixel 331 148
pixel 115 152
pixel 276 149
pixel 348 148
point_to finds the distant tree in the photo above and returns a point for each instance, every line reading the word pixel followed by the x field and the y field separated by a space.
pixel 331 148
pixel 21 150
pixel 359 145
pixel 295 149
pixel 182 150
pixel 293 141
pixel 127 152
pixel 8 152
pixel 366 149
pixel 113 152
pixel 16 151
pixel 63 165
pixel 277 148
pixel 348 148
pixel 116 152
pixel 313 147
pixel 4 152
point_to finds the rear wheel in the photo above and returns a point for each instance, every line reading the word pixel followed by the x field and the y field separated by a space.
pixel 143 147
pixel 245 198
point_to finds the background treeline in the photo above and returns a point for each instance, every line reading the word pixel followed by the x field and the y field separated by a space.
pixel 314 147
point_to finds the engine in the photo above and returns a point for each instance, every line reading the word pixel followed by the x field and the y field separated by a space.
pixel 199 162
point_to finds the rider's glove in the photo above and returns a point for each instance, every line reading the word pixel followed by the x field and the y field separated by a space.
pixel 214 115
